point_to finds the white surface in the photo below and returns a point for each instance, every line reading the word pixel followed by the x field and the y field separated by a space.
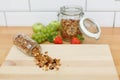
pixel 103 5
pixel 53 5
pixel 117 19
pixel 103 18
pixel 23 11
pixel 103 11
pixel 2 19
pixel 14 5
pixel 29 18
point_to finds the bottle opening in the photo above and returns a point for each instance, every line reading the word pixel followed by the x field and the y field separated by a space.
pixel 71 10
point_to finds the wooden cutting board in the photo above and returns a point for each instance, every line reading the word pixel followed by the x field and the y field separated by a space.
pixel 79 62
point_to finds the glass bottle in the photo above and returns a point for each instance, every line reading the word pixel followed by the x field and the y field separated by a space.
pixel 26 44
pixel 69 18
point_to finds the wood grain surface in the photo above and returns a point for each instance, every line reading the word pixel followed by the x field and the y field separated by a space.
pixel 110 36
pixel 86 62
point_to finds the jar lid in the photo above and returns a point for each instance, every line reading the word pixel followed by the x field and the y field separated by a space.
pixel 90 27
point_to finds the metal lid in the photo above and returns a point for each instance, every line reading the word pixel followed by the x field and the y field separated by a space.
pixel 90 27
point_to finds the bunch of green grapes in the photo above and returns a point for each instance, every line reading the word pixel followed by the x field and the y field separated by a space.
pixel 45 32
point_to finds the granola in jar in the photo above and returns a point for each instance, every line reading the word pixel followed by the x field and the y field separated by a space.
pixel 69 18
pixel 70 28
pixel 25 43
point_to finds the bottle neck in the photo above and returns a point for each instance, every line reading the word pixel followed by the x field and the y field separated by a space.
pixel 71 10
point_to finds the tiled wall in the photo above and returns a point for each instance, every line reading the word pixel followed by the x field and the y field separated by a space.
pixel 27 12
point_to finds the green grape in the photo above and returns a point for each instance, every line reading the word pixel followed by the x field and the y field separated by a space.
pixel 36 37
pixel 51 33
pixel 42 39
pixel 55 27
pixel 33 36
pixel 48 31
pixel 47 27
pixel 37 27
pixel 55 24
pixel 39 41
pixel 47 34
pixel 45 38
pixel 44 30
pixel 55 33
pixel 42 35
pixel 38 33
pixel 52 27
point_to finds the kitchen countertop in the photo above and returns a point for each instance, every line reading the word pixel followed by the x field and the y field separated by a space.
pixel 109 36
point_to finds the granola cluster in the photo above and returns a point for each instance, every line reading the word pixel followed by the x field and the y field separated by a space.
pixel 44 61
pixel 30 47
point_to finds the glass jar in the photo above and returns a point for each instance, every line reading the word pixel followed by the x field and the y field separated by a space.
pixel 69 18
pixel 73 23
pixel 26 44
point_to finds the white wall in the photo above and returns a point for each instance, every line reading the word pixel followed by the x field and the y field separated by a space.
pixel 28 12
